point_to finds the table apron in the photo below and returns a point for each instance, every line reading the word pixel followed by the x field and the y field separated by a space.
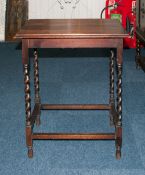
pixel 75 43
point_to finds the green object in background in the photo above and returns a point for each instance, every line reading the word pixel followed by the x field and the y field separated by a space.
pixel 116 16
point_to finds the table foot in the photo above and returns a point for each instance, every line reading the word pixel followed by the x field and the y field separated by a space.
pixel 118 142
pixel 30 152
pixel 118 148
pixel 118 154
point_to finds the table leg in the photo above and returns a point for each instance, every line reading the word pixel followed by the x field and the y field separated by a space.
pixel 118 122
pixel 36 84
pixel 119 112
pixel 137 57
pixel 29 139
pixel 111 100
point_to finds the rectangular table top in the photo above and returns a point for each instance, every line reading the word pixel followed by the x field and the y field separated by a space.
pixel 71 28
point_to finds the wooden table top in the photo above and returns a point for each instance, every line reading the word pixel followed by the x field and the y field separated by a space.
pixel 71 28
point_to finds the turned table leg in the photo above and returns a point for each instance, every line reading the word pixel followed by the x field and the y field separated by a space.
pixel 36 84
pixel 118 122
pixel 111 100
pixel 119 113
pixel 29 140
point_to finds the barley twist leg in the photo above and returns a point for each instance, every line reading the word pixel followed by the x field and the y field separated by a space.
pixel 29 140
pixel 36 83
pixel 111 100
pixel 119 112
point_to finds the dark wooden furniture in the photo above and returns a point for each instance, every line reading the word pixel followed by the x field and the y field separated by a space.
pixel 73 33
pixel 140 59
pixel 16 16
pixel 140 33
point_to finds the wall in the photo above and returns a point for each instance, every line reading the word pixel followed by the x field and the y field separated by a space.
pixel 70 9
pixel 2 19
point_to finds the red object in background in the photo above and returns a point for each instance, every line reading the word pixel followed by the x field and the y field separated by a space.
pixel 125 12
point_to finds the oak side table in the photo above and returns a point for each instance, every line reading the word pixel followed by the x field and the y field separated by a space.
pixel 73 33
